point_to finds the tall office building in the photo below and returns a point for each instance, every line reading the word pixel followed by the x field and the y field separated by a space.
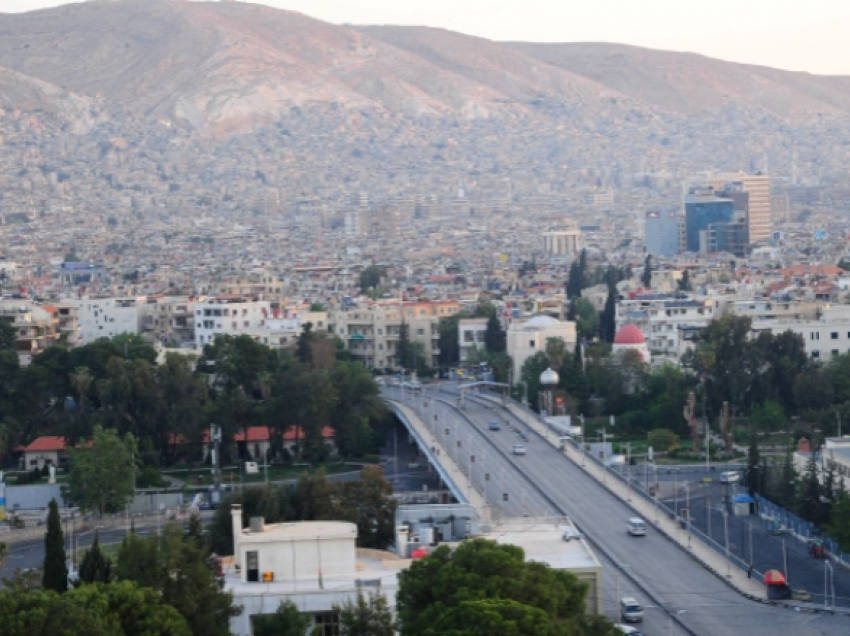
pixel 661 228
pixel 756 187
pixel 704 212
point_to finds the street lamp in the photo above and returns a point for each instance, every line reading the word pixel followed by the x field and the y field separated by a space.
pixel 676 492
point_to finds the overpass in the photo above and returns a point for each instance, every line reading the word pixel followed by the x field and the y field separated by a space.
pixel 677 589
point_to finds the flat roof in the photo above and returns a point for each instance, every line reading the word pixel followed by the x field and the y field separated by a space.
pixel 543 542
pixel 299 531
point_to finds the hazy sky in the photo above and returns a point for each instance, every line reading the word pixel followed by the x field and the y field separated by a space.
pixel 801 35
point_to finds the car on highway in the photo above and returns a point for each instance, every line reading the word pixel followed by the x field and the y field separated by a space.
pixel 636 527
pixel 630 610
pixel 628 629
pixel 519 449
pixel 494 426
pixel 730 477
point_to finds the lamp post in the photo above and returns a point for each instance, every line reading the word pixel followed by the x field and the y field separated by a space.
pixel 676 492
pixel 688 505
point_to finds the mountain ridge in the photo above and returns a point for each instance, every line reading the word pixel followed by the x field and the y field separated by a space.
pixel 225 67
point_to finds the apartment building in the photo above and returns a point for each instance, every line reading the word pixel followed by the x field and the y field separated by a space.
pixel 661 318
pixel 824 337
pixel 470 334
pixel 107 317
pixel 170 320
pixel 36 328
pixel 229 314
pixel 371 331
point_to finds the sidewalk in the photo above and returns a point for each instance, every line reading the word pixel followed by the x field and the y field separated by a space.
pixel 649 512
pixel 455 472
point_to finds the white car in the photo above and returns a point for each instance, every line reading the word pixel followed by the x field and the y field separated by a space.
pixel 628 629
pixel 630 610
pixel 519 449
pixel 636 527
pixel 730 477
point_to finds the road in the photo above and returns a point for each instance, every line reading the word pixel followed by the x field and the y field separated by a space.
pixel 665 575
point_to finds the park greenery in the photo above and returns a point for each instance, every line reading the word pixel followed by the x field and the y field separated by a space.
pixel 110 399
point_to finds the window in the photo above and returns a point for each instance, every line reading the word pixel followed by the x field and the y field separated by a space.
pixel 380 332
pixel 468 336
pixel 480 336
pixel 327 623
pixel 247 323
pixel 252 567
pixel 531 344
pixel 420 332
pixel 835 352
pixel 834 335
pixel 816 354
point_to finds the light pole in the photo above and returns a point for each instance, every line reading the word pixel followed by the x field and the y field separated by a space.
pixel 726 534
pixel 676 492
pixel 655 467
pixel 688 505
pixel 785 562
pixel 708 514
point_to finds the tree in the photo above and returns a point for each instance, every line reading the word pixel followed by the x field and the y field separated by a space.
pixel 646 277
pixel 662 440
pixel 495 338
pixel 7 334
pixel 684 283
pixel 303 348
pixel 608 320
pixel 96 566
pixel 286 621
pixel 768 416
pixel 370 278
pixel 55 571
pixel 556 351
pixel 435 592
pixel 366 617
pixel 402 352
pixel 839 525
pixel 530 376
pixel 118 609
pixel 754 466
pixel 810 505
pixel 178 570
pixel 586 317
pixel 450 339
pixel 103 474
pixel 368 503
pixel 81 380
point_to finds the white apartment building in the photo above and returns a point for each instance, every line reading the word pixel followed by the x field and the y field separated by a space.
pixel 229 314
pixel 824 337
pixel 662 319
pixel 561 242
pixel 527 337
pixel 107 317
pixel 470 334
pixel 36 328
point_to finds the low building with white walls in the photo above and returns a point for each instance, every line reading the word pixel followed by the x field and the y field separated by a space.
pixel 527 337
pixel 314 564
pixel 229 314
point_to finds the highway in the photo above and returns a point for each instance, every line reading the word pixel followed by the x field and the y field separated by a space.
pixel 664 575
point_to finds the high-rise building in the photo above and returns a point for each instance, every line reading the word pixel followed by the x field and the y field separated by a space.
pixel 704 211
pixel 757 189
pixel 661 228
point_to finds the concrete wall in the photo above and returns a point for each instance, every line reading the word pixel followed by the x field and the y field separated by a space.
pixel 32 497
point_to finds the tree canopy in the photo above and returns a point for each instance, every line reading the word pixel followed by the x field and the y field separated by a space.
pixel 482 587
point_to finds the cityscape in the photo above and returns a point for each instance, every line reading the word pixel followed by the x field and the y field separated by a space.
pixel 341 330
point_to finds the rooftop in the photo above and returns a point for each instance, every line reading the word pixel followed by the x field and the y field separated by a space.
pixel 300 531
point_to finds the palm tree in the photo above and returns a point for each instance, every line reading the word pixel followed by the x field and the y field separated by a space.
pixel 81 380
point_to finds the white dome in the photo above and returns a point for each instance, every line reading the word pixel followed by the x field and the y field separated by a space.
pixel 549 377
pixel 542 321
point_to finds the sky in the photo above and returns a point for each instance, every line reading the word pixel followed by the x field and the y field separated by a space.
pixel 799 35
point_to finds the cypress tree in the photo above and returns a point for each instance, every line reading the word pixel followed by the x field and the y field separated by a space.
pixel 96 566
pixel 55 576
pixel 608 320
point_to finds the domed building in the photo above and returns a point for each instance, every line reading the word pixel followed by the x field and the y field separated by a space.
pixel 527 337
pixel 629 337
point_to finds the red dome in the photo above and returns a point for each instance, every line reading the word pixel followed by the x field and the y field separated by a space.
pixel 629 335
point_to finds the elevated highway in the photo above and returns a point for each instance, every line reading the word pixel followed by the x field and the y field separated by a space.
pixel 682 595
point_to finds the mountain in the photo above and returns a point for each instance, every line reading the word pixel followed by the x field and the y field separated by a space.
pixel 688 83
pixel 219 67
pixel 224 66
pixel 18 91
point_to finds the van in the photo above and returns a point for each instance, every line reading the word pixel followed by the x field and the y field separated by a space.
pixel 630 610
pixel 730 477
pixel 636 527
pixel 519 449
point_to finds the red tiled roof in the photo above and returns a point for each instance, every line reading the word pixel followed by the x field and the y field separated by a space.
pixel 263 433
pixel 46 443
